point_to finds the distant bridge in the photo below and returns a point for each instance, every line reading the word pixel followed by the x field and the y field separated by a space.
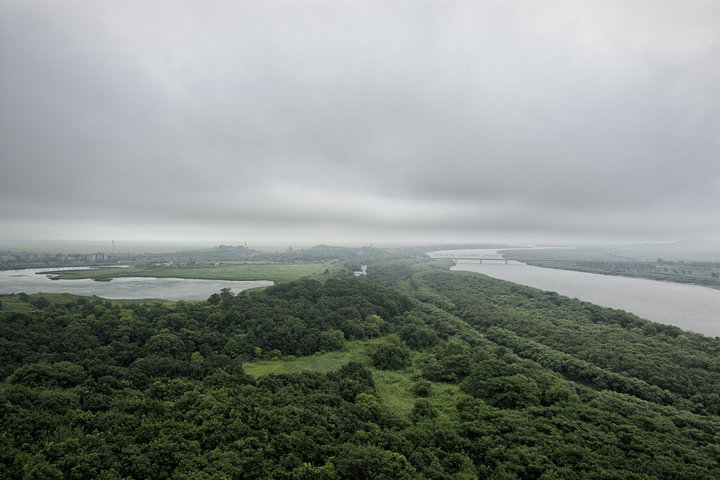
pixel 494 258
pixel 497 258
pixel 480 258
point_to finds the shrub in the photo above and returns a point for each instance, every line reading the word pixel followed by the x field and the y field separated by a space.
pixel 391 356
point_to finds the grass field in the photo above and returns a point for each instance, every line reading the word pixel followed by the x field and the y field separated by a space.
pixel 394 388
pixel 320 362
pixel 240 271
pixel 14 302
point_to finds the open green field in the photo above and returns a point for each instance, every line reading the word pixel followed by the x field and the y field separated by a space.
pixel 394 388
pixel 18 303
pixel 242 271
pixel 355 351
pixel 21 303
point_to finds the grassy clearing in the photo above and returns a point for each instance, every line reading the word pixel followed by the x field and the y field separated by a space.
pixel 355 351
pixel 14 303
pixel 245 271
pixel 394 389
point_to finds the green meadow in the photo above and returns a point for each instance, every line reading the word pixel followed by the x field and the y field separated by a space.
pixel 277 272
pixel 393 388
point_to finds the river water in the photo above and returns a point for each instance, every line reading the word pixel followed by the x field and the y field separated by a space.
pixel 690 307
pixel 33 280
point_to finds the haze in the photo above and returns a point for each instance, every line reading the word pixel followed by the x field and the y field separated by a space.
pixel 360 121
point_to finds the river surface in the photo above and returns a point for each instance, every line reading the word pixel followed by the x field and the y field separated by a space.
pixel 33 280
pixel 690 307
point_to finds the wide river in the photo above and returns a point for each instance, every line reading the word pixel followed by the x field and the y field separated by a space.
pixel 33 280
pixel 690 307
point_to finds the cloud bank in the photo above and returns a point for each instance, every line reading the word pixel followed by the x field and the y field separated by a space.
pixel 360 120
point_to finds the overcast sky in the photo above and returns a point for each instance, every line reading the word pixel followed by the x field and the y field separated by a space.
pixel 360 121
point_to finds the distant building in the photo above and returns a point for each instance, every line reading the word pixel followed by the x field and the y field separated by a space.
pixel 97 257
pixel 362 272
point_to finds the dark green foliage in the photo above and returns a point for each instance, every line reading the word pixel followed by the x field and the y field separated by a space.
pixel 606 348
pixel 391 355
pixel 514 391
pixel 423 410
pixel 39 302
pixel 60 374
pixel 423 388
pixel 417 337
pixel 371 463
pixel 329 340
pixel 453 363
pixel 542 387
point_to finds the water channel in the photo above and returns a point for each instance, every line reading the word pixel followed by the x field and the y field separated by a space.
pixel 35 280
pixel 690 307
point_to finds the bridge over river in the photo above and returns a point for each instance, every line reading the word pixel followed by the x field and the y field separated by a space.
pixel 488 258
pixel 498 259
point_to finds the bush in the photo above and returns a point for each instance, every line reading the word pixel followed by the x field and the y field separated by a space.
pixel 39 302
pixel 391 356
pixel 423 388
pixel 418 337
pixel 423 410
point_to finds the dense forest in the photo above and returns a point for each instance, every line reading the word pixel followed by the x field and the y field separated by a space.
pixel 488 380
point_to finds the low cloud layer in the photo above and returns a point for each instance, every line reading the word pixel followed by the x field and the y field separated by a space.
pixel 360 120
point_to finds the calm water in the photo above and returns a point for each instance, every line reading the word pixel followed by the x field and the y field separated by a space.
pixel 689 307
pixel 28 281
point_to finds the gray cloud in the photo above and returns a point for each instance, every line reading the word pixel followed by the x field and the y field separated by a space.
pixel 360 119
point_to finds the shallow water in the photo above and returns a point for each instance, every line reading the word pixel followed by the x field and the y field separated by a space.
pixel 29 281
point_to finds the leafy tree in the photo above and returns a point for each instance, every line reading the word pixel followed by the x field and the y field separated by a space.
pixel 371 463
pixel 40 302
pixel 391 355
pixel 422 388
pixel 423 410
pixel 331 340
pixel 164 344
pixel 418 337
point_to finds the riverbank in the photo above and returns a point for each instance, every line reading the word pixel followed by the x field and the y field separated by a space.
pixel 688 267
pixel 690 307
pixel 628 269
